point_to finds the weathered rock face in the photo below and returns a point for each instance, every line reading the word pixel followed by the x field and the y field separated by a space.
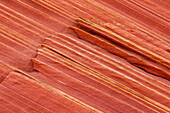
pixel 84 56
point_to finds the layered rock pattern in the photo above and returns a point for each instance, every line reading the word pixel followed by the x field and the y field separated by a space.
pixel 84 56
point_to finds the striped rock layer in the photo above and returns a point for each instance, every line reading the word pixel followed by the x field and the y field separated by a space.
pixel 84 56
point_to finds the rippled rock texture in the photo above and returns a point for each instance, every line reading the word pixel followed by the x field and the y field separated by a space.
pixel 84 56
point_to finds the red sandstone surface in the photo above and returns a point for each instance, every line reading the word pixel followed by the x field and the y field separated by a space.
pixel 84 56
